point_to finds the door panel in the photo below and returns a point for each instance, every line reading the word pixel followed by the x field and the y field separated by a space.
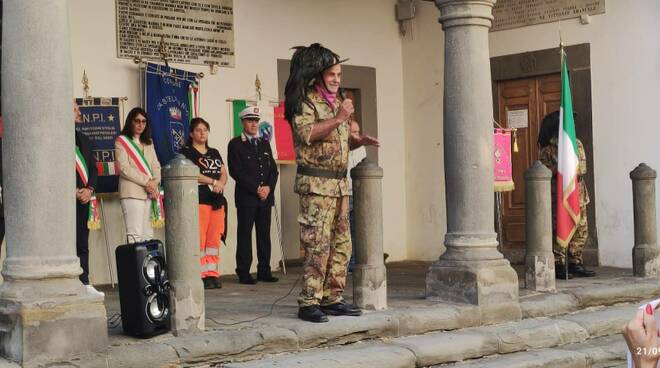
pixel 539 96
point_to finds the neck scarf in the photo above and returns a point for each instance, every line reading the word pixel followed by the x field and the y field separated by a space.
pixel 330 98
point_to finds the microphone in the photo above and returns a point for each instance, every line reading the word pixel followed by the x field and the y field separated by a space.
pixel 342 93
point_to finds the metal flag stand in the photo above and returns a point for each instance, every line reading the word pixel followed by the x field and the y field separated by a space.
pixel 107 244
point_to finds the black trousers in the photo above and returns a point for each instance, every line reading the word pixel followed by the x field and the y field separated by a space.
pixel 247 218
pixel 82 240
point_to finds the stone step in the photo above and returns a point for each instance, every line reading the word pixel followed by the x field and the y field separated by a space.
pixel 597 353
pixel 582 332
pixel 578 314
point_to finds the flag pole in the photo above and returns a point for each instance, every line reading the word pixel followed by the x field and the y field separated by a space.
pixel 561 68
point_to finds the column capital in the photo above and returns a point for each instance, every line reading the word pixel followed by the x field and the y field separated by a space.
pixel 465 13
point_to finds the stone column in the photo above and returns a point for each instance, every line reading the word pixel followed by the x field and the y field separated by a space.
pixel 646 253
pixel 369 273
pixel 45 312
pixel 182 245
pixel 471 270
pixel 539 259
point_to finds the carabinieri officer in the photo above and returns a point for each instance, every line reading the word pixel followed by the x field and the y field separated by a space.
pixel 252 166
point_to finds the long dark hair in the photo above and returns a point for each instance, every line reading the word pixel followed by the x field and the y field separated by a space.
pixel 307 66
pixel 549 129
pixel 128 129
pixel 193 124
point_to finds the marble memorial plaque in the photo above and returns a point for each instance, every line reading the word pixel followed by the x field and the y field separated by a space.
pixel 194 31
pixel 520 13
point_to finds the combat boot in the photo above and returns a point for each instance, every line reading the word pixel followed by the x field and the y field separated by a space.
pixel 341 309
pixel 579 270
pixel 312 313
pixel 560 272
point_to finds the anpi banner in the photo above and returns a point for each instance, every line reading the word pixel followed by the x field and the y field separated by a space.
pixel 101 124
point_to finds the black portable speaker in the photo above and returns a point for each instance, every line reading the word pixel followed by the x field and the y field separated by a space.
pixel 144 290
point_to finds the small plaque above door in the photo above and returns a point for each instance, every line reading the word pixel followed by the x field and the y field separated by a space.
pixel 517 118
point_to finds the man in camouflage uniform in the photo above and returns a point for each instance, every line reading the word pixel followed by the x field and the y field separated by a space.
pixel 322 140
pixel 548 156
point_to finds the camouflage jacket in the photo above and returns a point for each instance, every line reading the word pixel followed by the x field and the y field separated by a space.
pixel 548 156
pixel 331 153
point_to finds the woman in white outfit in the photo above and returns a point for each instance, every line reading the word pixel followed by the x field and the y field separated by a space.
pixel 139 175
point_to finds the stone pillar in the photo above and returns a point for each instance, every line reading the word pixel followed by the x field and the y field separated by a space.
pixel 45 312
pixel 471 270
pixel 646 253
pixel 369 273
pixel 539 259
pixel 182 245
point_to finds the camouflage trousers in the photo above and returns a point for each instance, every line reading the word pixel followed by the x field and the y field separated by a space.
pixel 576 244
pixel 326 238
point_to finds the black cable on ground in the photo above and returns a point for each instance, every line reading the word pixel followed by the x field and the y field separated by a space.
pixel 114 320
pixel 270 311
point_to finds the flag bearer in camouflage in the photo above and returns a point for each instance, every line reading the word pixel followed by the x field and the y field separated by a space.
pixel 320 120
pixel 548 156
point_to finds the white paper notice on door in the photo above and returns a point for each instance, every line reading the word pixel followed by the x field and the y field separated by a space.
pixel 517 118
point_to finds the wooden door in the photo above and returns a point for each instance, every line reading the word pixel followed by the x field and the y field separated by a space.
pixel 535 98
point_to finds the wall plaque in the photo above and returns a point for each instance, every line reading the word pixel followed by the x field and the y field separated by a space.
pixel 194 31
pixel 518 119
pixel 520 13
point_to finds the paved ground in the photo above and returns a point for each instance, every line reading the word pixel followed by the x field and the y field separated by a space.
pixel 227 307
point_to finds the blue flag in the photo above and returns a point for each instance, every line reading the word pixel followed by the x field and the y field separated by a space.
pixel 100 123
pixel 166 100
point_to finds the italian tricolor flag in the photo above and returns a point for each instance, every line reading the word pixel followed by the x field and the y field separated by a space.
pixel 107 168
pixel 568 196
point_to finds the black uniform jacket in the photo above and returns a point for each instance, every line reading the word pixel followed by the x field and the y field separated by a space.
pixel 250 167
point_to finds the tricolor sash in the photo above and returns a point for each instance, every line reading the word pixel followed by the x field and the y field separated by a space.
pixel 93 217
pixel 136 155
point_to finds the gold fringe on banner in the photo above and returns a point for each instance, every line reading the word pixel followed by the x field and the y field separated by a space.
pixel 504 186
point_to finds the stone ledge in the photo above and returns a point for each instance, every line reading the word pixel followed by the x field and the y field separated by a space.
pixel 603 322
pixel 618 291
pixel 441 318
pixel 535 334
pixel 232 345
pixel 341 330
pixel 602 352
pixel 282 335
pixel 369 356
pixel 547 305
pixel 449 347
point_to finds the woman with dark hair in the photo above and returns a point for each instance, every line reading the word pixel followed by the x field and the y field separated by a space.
pixel 212 204
pixel 547 141
pixel 139 178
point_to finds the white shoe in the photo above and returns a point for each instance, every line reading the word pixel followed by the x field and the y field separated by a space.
pixel 91 290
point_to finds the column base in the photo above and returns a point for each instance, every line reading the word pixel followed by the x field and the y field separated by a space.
pixel 370 287
pixel 646 260
pixel 492 285
pixel 188 310
pixel 41 327
pixel 540 273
